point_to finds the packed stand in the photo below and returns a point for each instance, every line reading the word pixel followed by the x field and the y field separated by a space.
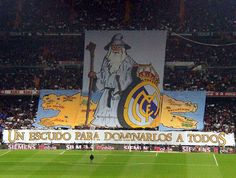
pixel 42 51
pixel 192 66
pixel 76 16
pixel 219 80
pixel 178 49
pixel 39 78
pixel 220 115
pixel 17 112
pixel 207 15
pixel 41 62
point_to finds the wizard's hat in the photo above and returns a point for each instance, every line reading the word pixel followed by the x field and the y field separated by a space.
pixel 117 39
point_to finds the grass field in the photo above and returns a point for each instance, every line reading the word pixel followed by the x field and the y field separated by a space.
pixel 61 163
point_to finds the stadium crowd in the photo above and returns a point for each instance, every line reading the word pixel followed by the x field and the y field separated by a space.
pixel 212 79
pixel 30 64
pixel 34 62
pixel 45 51
pixel 41 62
pixel 40 78
pixel 179 49
pixel 76 16
pixel 220 115
pixel 17 112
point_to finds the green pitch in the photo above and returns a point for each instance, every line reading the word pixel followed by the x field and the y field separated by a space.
pixel 69 164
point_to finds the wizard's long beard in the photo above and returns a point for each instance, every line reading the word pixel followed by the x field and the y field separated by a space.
pixel 115 59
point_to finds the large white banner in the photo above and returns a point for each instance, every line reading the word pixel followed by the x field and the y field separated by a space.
pixel 119 137
pixel 122 84
pixel 123 77
pixel 144 47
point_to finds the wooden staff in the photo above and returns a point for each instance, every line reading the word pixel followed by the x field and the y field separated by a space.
pixel 91 48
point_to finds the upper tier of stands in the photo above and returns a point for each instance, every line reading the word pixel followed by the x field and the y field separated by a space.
pixel 78 15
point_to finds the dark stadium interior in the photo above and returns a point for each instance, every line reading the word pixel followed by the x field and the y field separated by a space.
pixel 41 38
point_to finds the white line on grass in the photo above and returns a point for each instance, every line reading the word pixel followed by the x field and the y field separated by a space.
pixel 135 164
pixel 5 153
pixel 148 153
pixel 108 164
pixel 62 152
pixel 156 154
pixel 119 155
pixel 215 160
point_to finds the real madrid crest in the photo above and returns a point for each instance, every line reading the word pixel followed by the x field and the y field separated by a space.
pixel 140 105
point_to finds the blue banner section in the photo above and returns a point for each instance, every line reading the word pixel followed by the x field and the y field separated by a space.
pixel 55 106
pixel 183 110
pixel 170 110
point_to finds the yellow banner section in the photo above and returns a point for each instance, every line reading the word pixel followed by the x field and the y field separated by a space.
pixel 119 137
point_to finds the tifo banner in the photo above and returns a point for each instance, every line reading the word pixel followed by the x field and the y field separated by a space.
pixel 61 108
pixel 169 110
pixel 122 88
pixel 117 52
pixel 119 137
pixel 123 75
pixel 183 110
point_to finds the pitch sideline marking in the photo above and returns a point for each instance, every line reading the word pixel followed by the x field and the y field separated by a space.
pixel 62 152
pixel 5 153
pixel 215 160
pixel 116 163
pixel 133 164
